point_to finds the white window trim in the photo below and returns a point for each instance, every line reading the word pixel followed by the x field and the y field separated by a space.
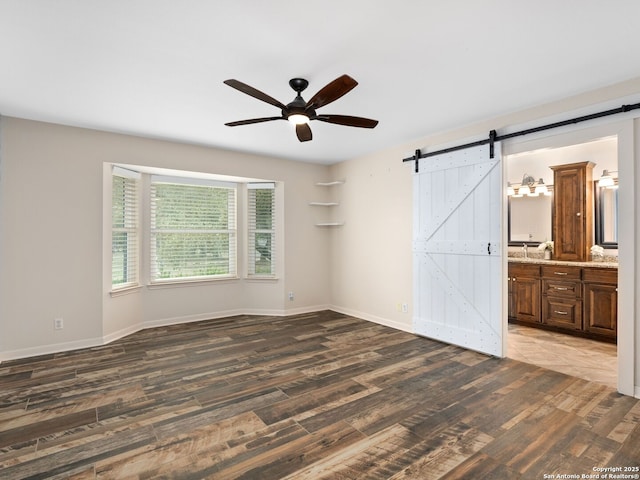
pixel 145 173
pixel 274 231
pixel 128 287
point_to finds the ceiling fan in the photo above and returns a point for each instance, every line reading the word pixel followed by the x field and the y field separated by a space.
pixel 300 112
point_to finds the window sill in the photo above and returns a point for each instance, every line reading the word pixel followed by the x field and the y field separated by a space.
pixel 258 279
pixel 125 291
pixel 190 283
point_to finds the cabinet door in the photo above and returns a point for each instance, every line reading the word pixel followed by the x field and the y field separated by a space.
pixel 601 309
pixel 526 299
pixel 573 219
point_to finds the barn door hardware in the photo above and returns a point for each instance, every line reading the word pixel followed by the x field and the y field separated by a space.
pixel 494 137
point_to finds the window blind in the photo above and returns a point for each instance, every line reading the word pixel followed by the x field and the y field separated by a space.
pixel 193 229
pixel 124 228
pixel 261 229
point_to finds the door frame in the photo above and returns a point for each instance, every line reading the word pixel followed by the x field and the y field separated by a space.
pixel 624 131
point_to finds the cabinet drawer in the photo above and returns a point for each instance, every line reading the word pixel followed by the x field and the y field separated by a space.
pixel 600 275
pixel 562 312
pixel 561 288
pixel 561 272
pixel 524 270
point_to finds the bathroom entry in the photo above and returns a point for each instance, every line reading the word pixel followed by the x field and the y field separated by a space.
pixel 530 245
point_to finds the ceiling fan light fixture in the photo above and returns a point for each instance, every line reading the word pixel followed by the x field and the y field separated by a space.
pixel 298 119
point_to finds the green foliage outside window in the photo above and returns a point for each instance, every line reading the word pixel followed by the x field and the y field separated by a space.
pixel 193 231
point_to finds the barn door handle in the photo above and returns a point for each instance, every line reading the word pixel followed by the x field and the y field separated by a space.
pixel 489 248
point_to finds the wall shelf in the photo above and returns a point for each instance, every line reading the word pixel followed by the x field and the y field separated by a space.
pixel 328 204
pixel 329 184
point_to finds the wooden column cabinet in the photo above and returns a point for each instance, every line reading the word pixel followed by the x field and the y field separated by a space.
pixel 600 301
pixel 573 211
pixel 524 292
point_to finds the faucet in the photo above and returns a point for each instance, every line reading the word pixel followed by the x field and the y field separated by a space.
pixel 525 250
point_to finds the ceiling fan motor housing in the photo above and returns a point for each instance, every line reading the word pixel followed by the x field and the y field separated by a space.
pixel 298 84
pixel 298 106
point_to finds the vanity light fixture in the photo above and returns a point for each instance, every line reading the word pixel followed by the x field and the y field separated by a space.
pixel 528 187
pixel 541 188
pixel 527 182
pixel 606 180
pixel 524 190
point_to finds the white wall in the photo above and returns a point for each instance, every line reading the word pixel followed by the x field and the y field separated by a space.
pixel 372 253
pixel 55 229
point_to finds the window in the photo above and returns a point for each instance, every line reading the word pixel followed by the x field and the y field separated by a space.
pixel 193 229
pixel 124 228
pixel 261 229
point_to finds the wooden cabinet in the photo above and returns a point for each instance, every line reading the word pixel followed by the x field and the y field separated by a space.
pixel 574 299
pixel 600 301
pixel 562 297
pixel 524 292
pixel 573 211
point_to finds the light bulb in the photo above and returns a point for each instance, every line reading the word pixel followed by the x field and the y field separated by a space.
pixel 298 119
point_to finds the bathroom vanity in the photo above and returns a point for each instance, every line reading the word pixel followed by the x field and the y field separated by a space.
pixel 574 297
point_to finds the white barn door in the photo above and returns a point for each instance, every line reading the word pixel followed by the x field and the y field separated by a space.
pixel 457 251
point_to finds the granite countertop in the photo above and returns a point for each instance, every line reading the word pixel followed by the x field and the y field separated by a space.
pixel 541 261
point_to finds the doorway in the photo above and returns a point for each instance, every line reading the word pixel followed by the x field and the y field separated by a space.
pixel 528 229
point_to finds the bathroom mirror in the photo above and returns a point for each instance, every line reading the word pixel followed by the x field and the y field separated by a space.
pixel 530 220
pixel 606 216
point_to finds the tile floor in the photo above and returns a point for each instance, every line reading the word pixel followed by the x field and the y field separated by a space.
pixel 579 357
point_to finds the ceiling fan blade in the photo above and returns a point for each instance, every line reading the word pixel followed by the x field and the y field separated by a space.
pixel 244 88
pixel 348 120
pixel 252 120
pixel 303 131
pixel 332 91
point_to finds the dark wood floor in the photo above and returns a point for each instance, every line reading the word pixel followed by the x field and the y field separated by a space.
pixel 314 396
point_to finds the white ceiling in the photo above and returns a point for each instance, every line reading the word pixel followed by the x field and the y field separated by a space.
pixel 155 67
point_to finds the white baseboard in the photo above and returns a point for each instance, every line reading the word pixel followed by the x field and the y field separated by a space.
pixel 50 349
pixel 113 336
pixel 373 318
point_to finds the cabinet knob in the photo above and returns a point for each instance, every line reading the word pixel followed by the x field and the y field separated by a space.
pixel 578 214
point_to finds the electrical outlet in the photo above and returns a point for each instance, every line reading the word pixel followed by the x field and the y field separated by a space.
pixel 58 323
pixel 291 296
pixel 405 308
